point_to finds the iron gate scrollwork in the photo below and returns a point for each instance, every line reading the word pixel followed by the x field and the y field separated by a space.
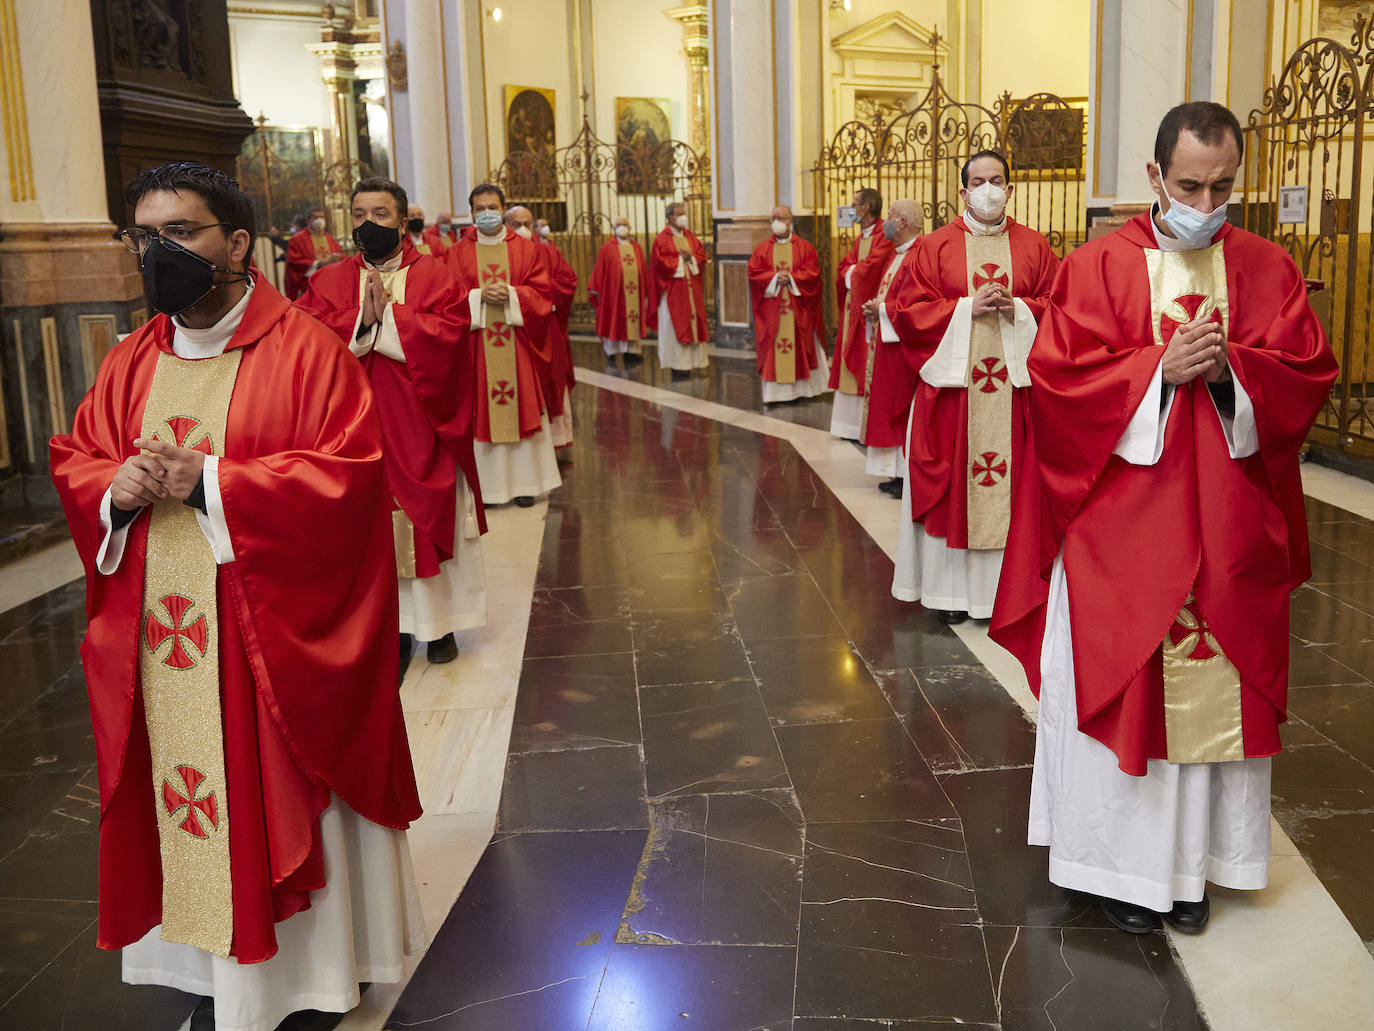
pixel 582 188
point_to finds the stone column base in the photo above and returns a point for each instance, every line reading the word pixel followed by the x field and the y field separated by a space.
pixel 736 239
pixel 67 291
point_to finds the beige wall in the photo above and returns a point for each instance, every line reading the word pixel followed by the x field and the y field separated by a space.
pixel 273 72
pixel 1030 48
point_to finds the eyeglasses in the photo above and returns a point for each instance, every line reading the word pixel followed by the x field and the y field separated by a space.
pixel 137 238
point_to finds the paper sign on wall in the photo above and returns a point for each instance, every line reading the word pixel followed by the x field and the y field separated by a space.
pixel 1292 204
pixel 846 216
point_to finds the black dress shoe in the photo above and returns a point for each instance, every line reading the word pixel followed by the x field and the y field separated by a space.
pixel 1129 917
pixel 524 501
pixel 203 1016
pixel 443 650
pixel 1189 917
pixel 633 359
pixel 950 617
pixel 407 649
pixel 311 1020
pixel 892 488
pixel 682 373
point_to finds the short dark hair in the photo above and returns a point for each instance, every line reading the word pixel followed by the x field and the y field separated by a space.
pixel 671 206
pixel 376 184
pixel 223 195
pixel 963 172
pixel 298 221
pixel 482 188
pixel 1208 121
pixel 870 200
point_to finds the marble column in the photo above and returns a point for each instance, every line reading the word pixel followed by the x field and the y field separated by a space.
pixel 696 47
pixel 1150 56
pixel 67 287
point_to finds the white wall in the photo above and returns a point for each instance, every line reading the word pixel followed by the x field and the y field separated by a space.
pixel 1032 48
pixel 638 53
pixel 273 72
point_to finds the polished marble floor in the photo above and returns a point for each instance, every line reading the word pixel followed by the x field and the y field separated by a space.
pixel 729 783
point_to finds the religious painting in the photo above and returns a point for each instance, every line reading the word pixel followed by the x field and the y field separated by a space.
pixel 1045 140
pixel 1336 18
pixel 530 120
pixel 644 157
pixel 280 169
pixel 882 108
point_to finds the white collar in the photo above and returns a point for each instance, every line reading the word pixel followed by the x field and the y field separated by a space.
pixel 416 238
pixel 783 239
pixel 490 241
pixel 676 231
pixel 981 228
pixel 1169 243
pixel 869 230
pixel 390 265
pixel 211 341
pixel 902 248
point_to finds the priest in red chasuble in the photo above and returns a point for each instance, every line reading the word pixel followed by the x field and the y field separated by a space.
pixel 889 382
pixel 785 288
pixel 403 317
pixel 856 280
pixel 440 236
pixel 557 378
pixel 506 284
pixel 619 290
pixel 1153 551
pixel 225 487
pixel 307 253
pixel 966 323
pixel 416 233
pixel 678 264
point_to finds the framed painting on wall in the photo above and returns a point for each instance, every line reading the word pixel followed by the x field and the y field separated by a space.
pixel 530 121
pixel 643 164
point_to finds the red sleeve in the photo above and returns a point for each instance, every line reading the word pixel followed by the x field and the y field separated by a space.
pixel 333 296
pixel 760 269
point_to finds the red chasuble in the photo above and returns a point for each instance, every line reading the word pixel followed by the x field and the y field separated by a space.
pixel 427 404
pixel 438 242
pixel 890 385
pixel 306 633
pixel 942 475
pixel 527 277
pixel 619 288
pixel 1199 551
pixel 686 296
pixel 868 257
pixel 562 290
pixel 785 325
pixel 302 251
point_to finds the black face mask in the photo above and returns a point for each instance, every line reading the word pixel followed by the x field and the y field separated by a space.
pixel 415 225
pixel 376 242
pixel 176 278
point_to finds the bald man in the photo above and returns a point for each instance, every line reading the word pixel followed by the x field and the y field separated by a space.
pixel 785 288
pixel 889 382
pixel 555 375
pixel 619 291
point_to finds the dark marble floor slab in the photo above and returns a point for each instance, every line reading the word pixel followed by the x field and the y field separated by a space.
pixel 960 718
pixel 577 789
pixel 815 680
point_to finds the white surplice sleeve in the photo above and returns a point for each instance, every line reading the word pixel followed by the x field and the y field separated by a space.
pixel 1143 441
pixel 111 551
pixel 212 522
pixel 1242 435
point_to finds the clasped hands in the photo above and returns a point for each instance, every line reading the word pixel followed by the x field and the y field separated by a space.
pixel 159 471
pixel 1198 348
pixel 496 293
pixel 375 299
pixel 993 297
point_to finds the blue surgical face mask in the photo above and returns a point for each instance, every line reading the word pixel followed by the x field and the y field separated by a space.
pixel 1191 226
pixel 487 221
pixel 890 229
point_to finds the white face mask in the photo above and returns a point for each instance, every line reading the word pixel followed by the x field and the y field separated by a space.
pixel 779 227
pixel 987 202
pixel 317 224
pixel 525 232
pixel 622 232
pixel 545 232
pixel 1190 225
pixel 680 221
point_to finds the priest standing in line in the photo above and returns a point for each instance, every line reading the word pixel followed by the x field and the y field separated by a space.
pixel 679 271
pixel 619 291
pixel 558 379
pixel 785 286
pixel 225 487
pixel 401 314
pixel 1146 588
pixel 855 282
pixel 966 325
pixel 415 230
pixel 441 235
pixel 507 287
pixel 889 383
pixel 308 252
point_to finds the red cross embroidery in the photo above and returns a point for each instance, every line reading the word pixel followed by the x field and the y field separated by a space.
pixel 1190 306
pixel 631 286
pixel 989 370
pixel 783 265
pixel 783 345
pixel 990 274
pixel 1191 631
pixel 500 335
pixel 503 393
pixel 182 427
pixel 155 632
pixel 989 468
pixel 495 274
pixel 173 799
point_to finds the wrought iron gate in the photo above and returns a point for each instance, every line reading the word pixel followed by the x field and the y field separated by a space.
pixel 919 154
pixel 582 188
pixel 1308 184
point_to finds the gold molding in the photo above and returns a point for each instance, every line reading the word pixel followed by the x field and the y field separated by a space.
pixel 1188 56
pixel 13 109
pixel 24 407
pixel 52 368
pixel 1097 112
pixel 99 334
pixel 6 459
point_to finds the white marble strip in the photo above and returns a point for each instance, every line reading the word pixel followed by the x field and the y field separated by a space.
pixel 1286 958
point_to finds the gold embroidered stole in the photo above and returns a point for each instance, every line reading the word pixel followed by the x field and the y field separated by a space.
pixel 423 248
pixel 629 284
pixel 322 248
pixel 785 343
pixel 989 401
pixel 498 349
pixel 188 405
pixel 1202 710
pixel 684 249
pixel 883 287
pixel 848 384
pixel 402 529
